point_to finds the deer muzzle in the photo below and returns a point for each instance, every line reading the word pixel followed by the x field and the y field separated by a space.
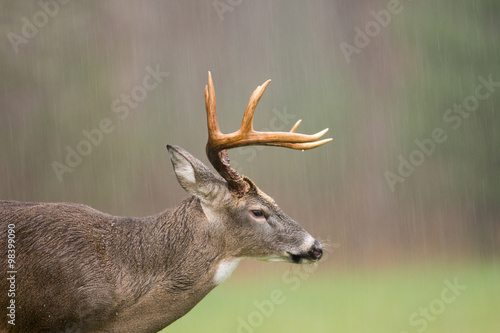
pixel 314 253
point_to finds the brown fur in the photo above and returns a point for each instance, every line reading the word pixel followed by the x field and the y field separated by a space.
pixel 81 270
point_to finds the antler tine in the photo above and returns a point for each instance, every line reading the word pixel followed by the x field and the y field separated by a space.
pixel 216 149
pixel 213 127
pixel 247 123
pixel 284 137
pixel 302 146
pixel 294 128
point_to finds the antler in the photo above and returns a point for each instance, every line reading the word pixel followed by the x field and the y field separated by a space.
pixel 245 136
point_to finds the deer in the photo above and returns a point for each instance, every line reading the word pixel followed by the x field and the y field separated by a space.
pixel 76 269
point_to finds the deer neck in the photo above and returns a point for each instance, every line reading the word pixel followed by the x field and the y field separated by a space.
pixel 176 260
pixel 177 249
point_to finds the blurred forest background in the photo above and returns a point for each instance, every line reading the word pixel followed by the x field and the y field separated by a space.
pixel 380 82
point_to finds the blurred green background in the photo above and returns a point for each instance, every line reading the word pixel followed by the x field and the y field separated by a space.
pixel 382 75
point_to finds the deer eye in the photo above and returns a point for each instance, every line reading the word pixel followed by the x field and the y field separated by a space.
pixel 257 213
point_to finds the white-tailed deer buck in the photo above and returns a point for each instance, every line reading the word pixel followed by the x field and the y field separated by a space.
pixel 76 269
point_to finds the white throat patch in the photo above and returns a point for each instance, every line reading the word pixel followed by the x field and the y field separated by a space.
pixel 225 269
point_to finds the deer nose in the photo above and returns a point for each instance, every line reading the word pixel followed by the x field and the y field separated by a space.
pixel 316 251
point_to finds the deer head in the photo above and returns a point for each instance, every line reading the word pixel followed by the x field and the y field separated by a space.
pixel 253 224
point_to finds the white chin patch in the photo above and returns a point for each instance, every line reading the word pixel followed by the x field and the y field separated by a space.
pixel 225 269
pixel 274 259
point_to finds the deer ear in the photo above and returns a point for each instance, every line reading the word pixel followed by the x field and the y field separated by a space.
pixel 194 177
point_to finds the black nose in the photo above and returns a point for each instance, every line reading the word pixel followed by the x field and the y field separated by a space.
pixel 316 251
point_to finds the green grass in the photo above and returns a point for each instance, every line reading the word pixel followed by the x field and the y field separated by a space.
pixel 355 301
